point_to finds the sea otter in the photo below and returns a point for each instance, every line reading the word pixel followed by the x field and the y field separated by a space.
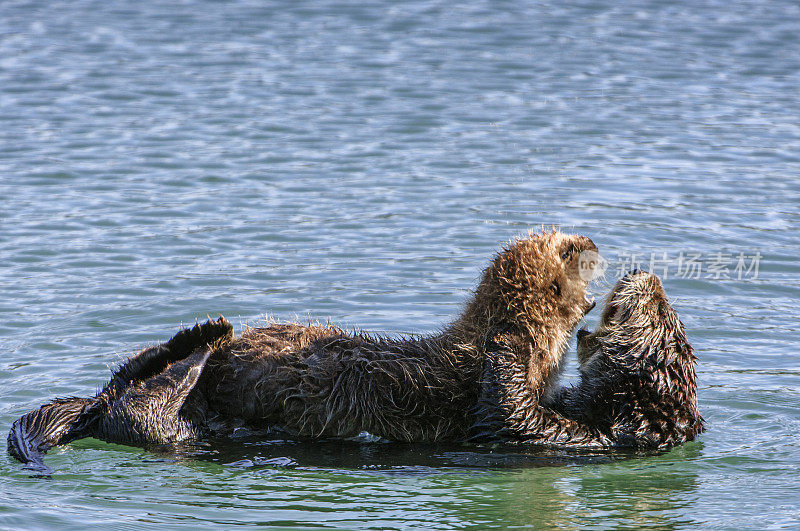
pixel 637 371
pixel 315 381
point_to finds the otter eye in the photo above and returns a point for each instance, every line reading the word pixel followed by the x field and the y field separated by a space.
pixel 555 288
pixel 569 251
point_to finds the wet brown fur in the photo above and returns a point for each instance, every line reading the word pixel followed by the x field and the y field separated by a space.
pixel 322 382
pixel 638 383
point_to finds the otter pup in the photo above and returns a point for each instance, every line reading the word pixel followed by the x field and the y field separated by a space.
pixel 314 381
pixel 637 371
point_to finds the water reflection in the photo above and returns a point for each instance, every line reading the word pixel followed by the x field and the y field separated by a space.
pixel 356 455
pixel 629 491
pixel 469 485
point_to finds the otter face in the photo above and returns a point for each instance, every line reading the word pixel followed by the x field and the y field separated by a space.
pixel 536 282
pixel 638 325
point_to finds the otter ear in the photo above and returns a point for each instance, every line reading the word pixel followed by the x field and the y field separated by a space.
pixel 671 353
pixel 625 356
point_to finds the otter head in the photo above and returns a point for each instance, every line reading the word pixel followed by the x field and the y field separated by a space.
pixel 534 285
pixel 641 366
pixel 638 322
pixel 529 300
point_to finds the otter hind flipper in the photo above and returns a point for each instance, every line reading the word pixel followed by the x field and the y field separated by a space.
pixel 162 375
pixel 58 422
pixel 151 361
pixel 151 411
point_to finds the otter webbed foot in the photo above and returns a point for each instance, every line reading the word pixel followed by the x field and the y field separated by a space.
pixel 141 403
pixel 153 360
pixel 151 411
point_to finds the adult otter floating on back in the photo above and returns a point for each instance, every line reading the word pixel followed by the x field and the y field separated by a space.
pixel 486 374
pixel 321 382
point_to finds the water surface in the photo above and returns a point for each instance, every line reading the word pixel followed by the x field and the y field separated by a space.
pixel 162 161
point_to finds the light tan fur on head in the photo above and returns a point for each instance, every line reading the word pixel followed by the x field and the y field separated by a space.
pixel 531 297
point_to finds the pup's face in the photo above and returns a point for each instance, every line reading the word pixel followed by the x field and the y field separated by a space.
pixel 637 322
pixel 537 281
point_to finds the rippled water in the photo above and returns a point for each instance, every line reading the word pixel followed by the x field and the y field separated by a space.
pixel 361 162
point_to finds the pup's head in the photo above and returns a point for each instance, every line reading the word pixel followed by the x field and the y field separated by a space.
pixel 535 284
pixel 638 325
pixel 640 357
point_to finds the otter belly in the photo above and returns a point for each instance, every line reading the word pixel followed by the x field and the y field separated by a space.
pixel 338 386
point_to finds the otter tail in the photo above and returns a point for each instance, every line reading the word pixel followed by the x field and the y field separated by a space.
pixel 145 393
pixel 59 422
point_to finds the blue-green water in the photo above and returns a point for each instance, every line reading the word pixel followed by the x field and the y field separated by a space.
pixel 161 161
